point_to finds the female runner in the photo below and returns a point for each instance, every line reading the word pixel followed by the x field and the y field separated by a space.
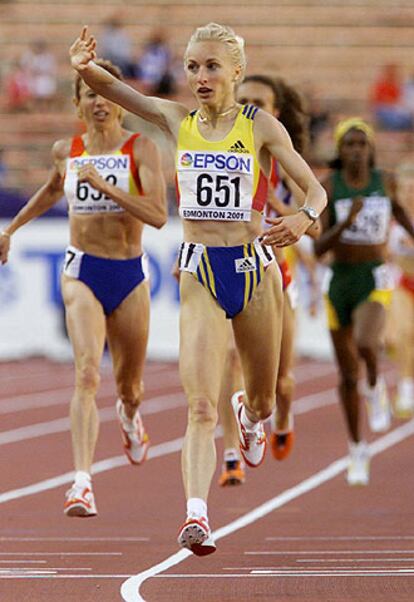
pixel 355 229
pixel 226 272
pixel 114 185
pixel 281 100
pixel 402 310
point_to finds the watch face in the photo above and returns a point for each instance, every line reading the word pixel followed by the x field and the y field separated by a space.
pixel 310 212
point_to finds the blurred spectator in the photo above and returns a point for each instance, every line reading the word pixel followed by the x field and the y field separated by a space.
pixel 115 45
pixel 318 115
pixel 17 88
pixel 40 66
pixel 155 68
pixel 408 95
pixel 387 100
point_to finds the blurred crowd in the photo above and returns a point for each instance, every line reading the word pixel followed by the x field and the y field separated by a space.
pixel 32 84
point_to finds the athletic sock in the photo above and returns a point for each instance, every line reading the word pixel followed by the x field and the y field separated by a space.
pixel 406 387
pixel 196 508
pixel 248 424
pixel 83 479
pixel 231 455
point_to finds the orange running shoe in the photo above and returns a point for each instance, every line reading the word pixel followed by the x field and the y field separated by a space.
pixel 195 535
pixel 232 474
pixel 281 442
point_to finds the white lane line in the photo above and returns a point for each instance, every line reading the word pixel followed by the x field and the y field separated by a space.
pixel 23 561
pixel 49 568
pixel 108 414
pixel 324 552
pixel 61 553
pixel 130 588
pixel 345 538
pixel 354 560
pixel 331 570
pixel 402 573
pixel 88 539
pixel 60 576
pixel 322 562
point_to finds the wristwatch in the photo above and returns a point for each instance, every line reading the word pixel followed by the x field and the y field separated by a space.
pixel 310 212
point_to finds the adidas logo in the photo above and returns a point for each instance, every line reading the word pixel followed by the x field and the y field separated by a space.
pixel 245 264
pixel 238 147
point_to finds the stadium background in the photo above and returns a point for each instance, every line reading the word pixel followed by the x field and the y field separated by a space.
pixel 331 50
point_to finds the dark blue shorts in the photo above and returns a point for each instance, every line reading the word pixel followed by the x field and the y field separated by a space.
pixel 110 280
pixel 231 274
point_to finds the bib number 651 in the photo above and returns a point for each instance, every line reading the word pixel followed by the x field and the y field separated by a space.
pixel 220 189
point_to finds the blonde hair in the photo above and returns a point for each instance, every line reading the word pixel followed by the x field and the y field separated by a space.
pixel 221 33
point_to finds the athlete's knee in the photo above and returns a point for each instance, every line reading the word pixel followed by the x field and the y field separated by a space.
pixel 285 386
pixel 202 411
pixel 87 375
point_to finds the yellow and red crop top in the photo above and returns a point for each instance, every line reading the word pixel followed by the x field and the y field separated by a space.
pixel 219 180
pixel 118 168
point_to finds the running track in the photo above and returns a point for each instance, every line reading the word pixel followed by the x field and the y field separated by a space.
pixel 294 531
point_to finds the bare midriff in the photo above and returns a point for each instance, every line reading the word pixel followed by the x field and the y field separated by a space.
pixel 344 253
pixel 223 234
pixel 107 235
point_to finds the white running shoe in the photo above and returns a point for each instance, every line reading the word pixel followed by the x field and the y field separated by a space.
pixel 195 535
pixel 80 501
pixel 358 467
pixel 136 440
pixel 379 411
pixel 252 443
pixel 404 401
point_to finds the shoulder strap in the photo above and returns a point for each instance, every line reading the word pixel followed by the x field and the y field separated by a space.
pixel 249 111
pixel 77 147
pixel 127 147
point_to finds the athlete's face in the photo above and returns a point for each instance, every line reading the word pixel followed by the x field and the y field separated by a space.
pixel 96 110
pixel 355 148
pixel 211 73
pixel 258 94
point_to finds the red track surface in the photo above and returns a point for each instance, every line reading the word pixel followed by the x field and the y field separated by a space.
pixel 330 543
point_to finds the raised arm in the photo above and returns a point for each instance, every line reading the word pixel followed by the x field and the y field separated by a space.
pixel 167 115
pixel 40 202
pixel 272 136
pixel 149 207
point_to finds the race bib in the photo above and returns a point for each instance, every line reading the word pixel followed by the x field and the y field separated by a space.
pixel 383 277
pixel 371 224
pixel 215 185
pixel 82 197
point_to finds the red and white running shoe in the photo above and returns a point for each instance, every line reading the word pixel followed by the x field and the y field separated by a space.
pixel 252 443
pixel 135 439
pixel 80 501
pixel 195 535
